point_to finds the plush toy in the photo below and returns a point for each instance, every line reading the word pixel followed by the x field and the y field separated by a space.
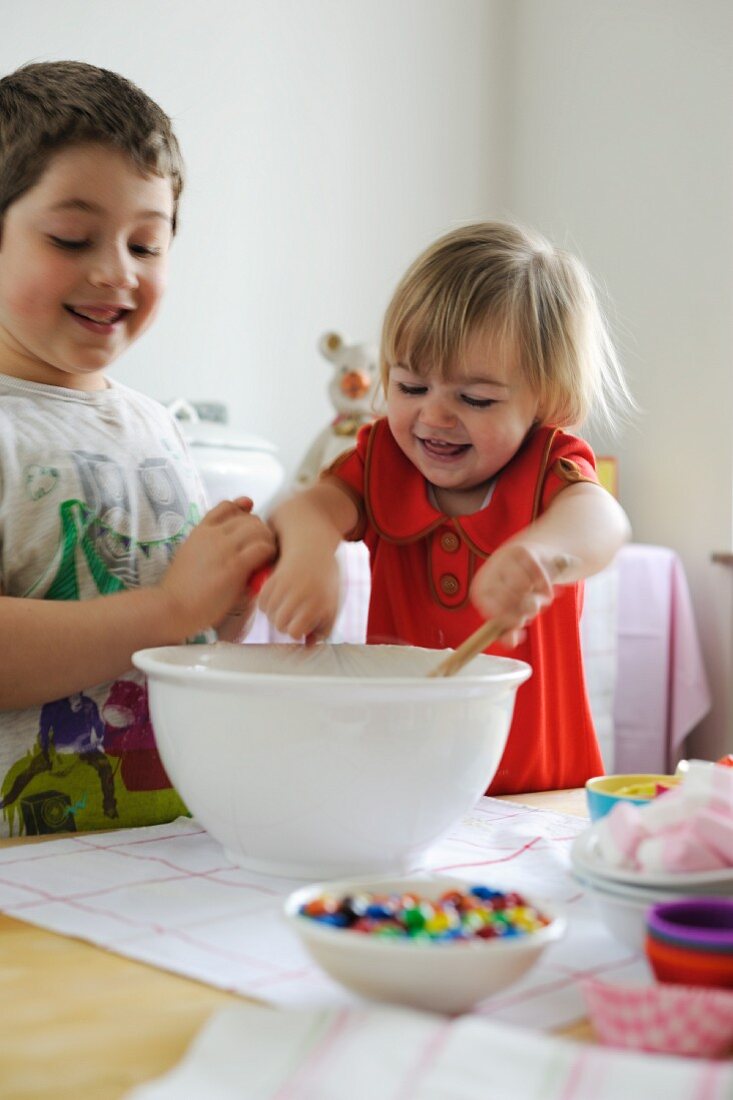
pixel 354 390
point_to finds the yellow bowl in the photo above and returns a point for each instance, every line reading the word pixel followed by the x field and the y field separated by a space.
pixel 603 792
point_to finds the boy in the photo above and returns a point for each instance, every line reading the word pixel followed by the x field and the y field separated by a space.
pixel 97 491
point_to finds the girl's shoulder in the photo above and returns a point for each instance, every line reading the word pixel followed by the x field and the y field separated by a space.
pixel 564 447
pixel 546 446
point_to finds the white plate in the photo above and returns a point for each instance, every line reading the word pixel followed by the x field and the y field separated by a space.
pixel 640 894
pixel 587 860
pixel 678 889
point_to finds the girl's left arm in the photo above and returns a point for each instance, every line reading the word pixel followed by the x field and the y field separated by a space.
pixel 576 536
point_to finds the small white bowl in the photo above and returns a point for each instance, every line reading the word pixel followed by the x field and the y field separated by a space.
pixel 447 977
pixel 623 916
pixel 623 909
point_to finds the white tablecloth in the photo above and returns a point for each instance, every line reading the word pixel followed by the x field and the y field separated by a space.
pixel 382 1053
pixel 167 895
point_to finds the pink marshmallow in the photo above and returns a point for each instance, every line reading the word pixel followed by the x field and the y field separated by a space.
pixel 715 829
pixel 619 834
pixel 689 828
pixel 678 850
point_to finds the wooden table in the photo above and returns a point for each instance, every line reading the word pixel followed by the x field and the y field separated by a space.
pixel 80 1022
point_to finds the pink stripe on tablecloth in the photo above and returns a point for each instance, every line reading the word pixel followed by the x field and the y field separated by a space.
pixel 424 1062
pixel 567 978
pixel 575 1079
pixel 712 1085
pixel 316 1058
pixel 38 853
pixel 209 873
pixel 139 927
pixel 44 897
pixel 514 854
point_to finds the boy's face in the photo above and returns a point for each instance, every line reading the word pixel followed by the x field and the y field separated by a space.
pixel 460 431
pixel 83 264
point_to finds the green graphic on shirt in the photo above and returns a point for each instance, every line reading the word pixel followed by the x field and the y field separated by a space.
pixel 40 480
pixel 79 525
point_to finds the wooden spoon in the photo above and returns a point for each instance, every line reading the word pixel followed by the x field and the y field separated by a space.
pixel 474 644
pixel 487 633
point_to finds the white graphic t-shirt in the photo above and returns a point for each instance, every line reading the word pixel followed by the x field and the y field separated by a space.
pixel 96 491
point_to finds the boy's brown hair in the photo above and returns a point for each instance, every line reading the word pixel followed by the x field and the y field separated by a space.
pixel 47 106
pixel 511 284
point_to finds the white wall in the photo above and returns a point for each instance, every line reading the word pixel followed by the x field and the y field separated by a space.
pixel 621 145
pixel 327 141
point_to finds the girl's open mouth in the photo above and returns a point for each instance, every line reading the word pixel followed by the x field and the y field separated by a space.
pixel 438 448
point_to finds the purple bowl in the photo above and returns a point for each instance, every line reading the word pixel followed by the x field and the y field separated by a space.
pixel 700 924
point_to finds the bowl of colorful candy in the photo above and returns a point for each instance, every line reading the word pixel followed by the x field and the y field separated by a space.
pixel 432 942
pixel 604 791
pixel 328 760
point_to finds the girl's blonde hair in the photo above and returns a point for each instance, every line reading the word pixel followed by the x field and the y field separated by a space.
pixel 497 279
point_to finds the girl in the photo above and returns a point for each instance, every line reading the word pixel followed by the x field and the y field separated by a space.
pixel 472 498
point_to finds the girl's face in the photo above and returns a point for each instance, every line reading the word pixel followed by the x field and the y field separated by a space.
pixel 461 431
pixel 83 259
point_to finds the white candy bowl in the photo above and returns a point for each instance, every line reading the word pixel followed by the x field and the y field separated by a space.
pixel 328 761
pixel 439 977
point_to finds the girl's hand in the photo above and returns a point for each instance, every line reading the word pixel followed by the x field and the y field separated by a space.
pixel 208 577
pixel 516 583
pixel 301 597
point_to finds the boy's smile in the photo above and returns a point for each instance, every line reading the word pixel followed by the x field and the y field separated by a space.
pixel 83 263
pixel 462 430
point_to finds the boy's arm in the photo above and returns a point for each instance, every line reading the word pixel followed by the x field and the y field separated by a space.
pixel 50 649
pixel 577 536
pixel 301 597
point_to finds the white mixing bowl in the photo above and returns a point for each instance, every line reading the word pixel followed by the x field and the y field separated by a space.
pixel 330 761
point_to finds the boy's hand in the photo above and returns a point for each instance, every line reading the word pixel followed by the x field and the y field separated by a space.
pixel 301 597
pixel 515 584
pixel 208 577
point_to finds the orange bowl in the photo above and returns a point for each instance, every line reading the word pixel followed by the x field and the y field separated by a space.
pixel 683 966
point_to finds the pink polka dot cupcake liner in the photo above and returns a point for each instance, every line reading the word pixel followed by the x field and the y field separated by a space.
pixel 693 1021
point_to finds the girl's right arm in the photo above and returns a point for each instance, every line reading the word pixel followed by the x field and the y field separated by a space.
pixel 52 648
pixel 301 597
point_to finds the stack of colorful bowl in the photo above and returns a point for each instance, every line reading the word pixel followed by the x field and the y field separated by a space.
pixel 662 881
pixel 691 942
